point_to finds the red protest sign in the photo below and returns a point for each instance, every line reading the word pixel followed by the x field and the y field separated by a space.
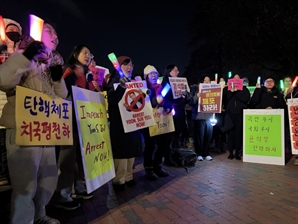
pixel 210 100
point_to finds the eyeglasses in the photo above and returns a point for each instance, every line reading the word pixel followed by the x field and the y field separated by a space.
pixel 176 70
pixel 268 81
pixel 88 54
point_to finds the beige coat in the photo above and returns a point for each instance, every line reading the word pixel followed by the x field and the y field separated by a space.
pixel 18 70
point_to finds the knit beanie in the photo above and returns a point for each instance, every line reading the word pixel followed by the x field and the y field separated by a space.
pixel 148 69
pixel 121 59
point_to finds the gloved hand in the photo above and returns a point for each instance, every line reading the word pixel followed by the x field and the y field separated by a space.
pixel 33 49
pixel 56 72
pixel 123 81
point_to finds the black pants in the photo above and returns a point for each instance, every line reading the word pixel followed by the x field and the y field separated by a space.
pixel 151 143
pixel 202 137
pixel 235 135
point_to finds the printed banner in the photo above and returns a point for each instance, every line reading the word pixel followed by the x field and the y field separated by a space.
pixel 293 119
pixel 178 85
pixel 164 122
pixel 135 107
pixel 211 98
pixel 94 137
pixel 238 84
pixel 263 136
pixel 42 120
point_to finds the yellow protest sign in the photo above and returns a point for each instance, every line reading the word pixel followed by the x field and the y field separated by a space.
pixel 164 122
pixel 42 120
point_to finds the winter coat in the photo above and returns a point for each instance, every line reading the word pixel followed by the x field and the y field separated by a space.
pixel 18 70
pixel 235 102
pixel 262 99
pixel 124 145
pixel 194 102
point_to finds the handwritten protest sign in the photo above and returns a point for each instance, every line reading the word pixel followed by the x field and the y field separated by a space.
pixel 42 120
pixel 263 136
pixel 94 137
pixel 164 122
pixel 105 94
pixel 238 84
pixel 178 85
pixel 135 107
pixel 211 98
pixel 293 119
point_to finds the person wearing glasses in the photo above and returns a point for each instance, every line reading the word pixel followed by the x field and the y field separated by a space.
pixel 69 159
pixel 268 96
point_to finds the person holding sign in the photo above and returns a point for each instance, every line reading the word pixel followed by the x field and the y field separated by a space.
pixel 70 159
pixel 33 169
pixel 235 101
pixel 179 137
pixel 268 96
pixel 202 126
pixel 125 146
pixel 153 166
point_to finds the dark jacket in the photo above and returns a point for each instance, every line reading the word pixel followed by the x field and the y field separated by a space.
pixel 124 145
pixel 262 99
pixel 179 107
pixel 235 102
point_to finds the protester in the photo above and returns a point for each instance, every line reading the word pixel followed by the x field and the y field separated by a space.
pixel 153 166
pixel 235 101
pixel 202 126
pixel 70 159
pixel 33 169
pixel 125 146
pixel 287 85
pixel 268 96
pixel 180 136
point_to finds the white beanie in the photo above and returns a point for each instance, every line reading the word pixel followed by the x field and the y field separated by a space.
pixel 148 69
pixel 10 21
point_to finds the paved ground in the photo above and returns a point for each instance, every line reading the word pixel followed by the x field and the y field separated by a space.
pixel 220 191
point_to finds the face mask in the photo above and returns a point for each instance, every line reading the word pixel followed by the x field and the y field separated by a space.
pixel 13 36
pixel 222 83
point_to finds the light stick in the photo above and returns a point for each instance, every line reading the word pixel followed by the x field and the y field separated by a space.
pixel 165 90
pixel 216 77
pixel 2 30
pixel 281 82
pixel 233 85
pixel 229 74
pixel 259 80
pixel 213 120
pixel 36 25
pixel 115 63
pixel 295 81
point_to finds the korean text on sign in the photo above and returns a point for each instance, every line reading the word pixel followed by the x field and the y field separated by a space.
pixel 41 120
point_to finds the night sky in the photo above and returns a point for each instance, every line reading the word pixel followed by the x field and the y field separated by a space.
pixel 150 32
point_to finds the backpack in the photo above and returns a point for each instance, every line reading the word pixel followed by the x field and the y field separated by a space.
pixel 184 157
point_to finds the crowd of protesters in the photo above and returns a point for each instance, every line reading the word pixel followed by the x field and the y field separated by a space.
pixel 33 170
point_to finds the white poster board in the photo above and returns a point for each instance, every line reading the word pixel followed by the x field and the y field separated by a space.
pixel 135 107
pixel 94 137
pixel 178 85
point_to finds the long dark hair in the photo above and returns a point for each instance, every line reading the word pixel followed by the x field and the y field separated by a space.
pixel 72 60
pixel 168 69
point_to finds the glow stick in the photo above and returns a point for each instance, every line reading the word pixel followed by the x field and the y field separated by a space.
pixel 115 63
pixel 216 77
pixel 230 74
pixel 281 82
pixel 2 30
pixel 232 85
pixel 259 80
pixel 213 120
pixel 295 81
pixel 165 90
pixel 36 25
